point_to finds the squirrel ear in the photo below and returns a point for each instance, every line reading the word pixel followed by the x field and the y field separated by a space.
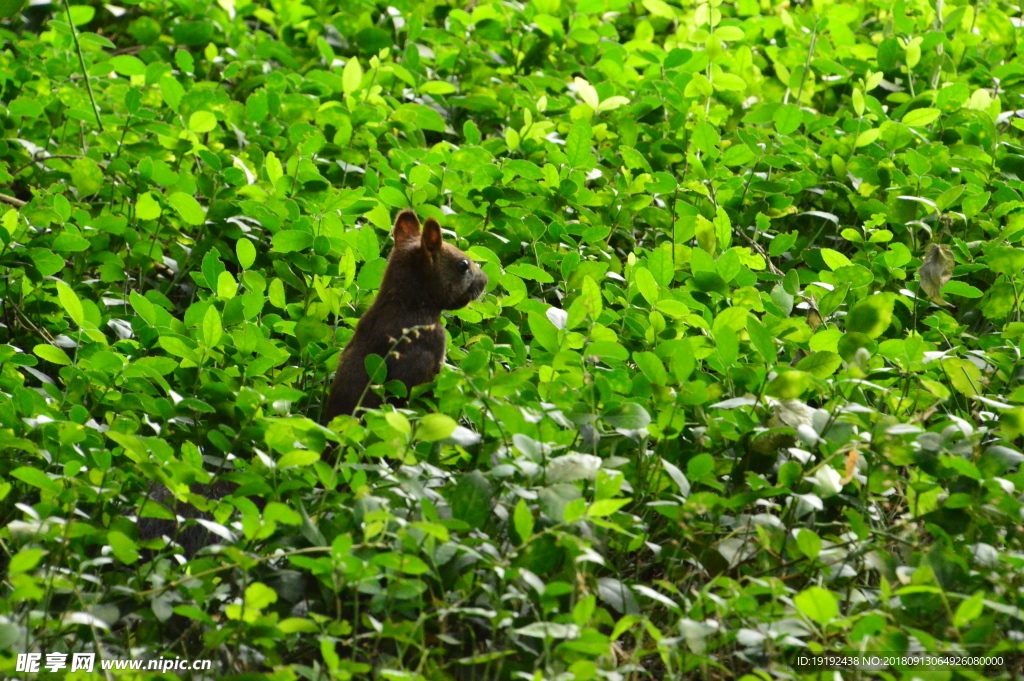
pixel 407 226
pixel 431 235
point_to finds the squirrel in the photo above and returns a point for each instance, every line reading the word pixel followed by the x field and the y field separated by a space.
pixel 424 276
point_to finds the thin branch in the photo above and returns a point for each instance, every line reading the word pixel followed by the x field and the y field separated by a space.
pixel 40 159
pixel 81 60
pixel 17 203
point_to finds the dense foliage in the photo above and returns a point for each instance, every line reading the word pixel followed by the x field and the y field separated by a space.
pixel 745 386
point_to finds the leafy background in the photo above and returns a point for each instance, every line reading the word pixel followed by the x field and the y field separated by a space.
pixel 707 418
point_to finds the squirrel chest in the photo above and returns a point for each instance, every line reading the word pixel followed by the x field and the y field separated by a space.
pixel 424 277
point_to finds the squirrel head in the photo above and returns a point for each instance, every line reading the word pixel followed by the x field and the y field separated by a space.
pixel 445 276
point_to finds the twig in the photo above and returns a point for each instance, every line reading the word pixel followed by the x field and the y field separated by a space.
pixel 807 64
pixel 40 159
pixel 222 568
pixel 43 333
pixel 407 335
pixel 17 203
pixel 81 60
pixel 131 49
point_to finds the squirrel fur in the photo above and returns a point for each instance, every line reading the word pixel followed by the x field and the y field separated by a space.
pixel 424 276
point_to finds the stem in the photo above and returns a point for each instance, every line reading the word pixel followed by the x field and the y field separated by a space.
pixel 17 203
pixel 411 332
pixel 807 63
pixel 40 159
pixel 81 61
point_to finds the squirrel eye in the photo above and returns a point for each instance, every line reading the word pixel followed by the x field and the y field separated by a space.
pixel 464 266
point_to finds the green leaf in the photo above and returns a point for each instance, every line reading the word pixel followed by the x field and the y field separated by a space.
pixel 24 560
pixel 143 307
pixel 969 610
pixel 352 76
pixel 834 259
pixel 606 507
pixel 257 107
pixel 727 344
pixel 591 292
pixel 259 596
pixel 577 144
pixel 202 121
pixel 729 33
pixel 959 288
pixel 762 340
pixel 86 176
pixel 70 243
pixel 171 91
pixel 789 384
pixel 781 243
pixel 1005 260
pixel 522 520
pixel 8 8
pixel 71 304
pixel 525 270
pixel 178 348
pixel 291 240
pixel 212 329
pixel 188 208
pixel 544 332
pixel 123 548
pixel 227 287
pixel 433 427
pixel 281 513
pixel 817 604
pixel 872 316
pixel 127 65
pixel 809 543
pixel 470 501
pixel 81 14
pixel 821 364
pixel 46 262
pixel 245 252
pixel 646 285
pixel 652 367
pixel 659 262
pixel 420 116
pixel 788 119
pixel 35 478
pixel 628 416
pixel 921 117
pixel 147 207
pixel 706 138
pixel 52 354
pixel 963 375
pixel 660 8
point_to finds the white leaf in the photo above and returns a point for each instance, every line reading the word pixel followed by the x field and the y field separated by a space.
pixel 736 402
pixel 572 467
pixel 557 316
pixel 677 477
pixel 218 529
pixel 822 214
pixel 927 202
pixel 651 593
pixel 549 630
pixel 828 481
pixel 86 619
pixel 462 436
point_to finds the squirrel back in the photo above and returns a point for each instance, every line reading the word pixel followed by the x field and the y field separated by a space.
pixel 424 276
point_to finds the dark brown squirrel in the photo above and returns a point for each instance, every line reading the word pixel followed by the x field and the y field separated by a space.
pixel 424 277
